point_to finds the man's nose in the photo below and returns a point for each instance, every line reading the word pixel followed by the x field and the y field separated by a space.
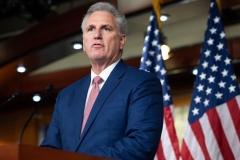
pixel 98 34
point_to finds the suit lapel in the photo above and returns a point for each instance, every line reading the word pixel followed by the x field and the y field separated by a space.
pixel 111 83
pixel 78 106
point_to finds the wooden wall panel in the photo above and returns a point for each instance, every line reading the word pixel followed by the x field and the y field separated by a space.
pixel 235 46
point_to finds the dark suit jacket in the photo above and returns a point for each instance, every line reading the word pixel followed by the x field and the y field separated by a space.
pixel 125 122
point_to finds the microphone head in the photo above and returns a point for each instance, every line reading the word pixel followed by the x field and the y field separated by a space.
pixel 49 87
pixel 16 94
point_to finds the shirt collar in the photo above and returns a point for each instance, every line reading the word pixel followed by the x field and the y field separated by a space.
pixel 105 73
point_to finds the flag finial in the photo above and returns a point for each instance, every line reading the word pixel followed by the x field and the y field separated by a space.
pixel 157 8
pixel 219 5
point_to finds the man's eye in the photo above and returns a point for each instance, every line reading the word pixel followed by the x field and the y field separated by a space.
pixel 107 29
pixel 90 29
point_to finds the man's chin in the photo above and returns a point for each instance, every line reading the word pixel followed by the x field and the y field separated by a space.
pixel 98 59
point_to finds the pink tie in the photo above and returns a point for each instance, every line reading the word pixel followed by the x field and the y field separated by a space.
pixel 92 97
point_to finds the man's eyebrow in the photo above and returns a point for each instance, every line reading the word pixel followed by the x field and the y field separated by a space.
pixel 91 25
pixel 102 26
pixel 106 25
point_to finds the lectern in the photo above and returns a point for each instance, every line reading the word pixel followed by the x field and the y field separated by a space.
pixel 27 152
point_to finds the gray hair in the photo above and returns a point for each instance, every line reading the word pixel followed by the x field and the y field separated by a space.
pixel 104 6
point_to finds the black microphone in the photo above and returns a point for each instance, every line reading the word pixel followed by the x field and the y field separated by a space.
pixel 48 88
pixel 15 95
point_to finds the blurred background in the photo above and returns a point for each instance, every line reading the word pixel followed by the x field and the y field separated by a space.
pixel 39 35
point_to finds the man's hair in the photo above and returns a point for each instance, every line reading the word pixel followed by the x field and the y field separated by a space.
pixel 104 6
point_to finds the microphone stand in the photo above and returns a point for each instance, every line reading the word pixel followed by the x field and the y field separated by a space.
pixel 49 88
pixel 15 95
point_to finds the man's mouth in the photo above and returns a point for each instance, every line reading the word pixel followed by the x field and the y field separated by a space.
pixel 97 45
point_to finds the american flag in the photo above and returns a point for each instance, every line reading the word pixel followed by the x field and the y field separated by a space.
pixel 213 128
pixel 152 61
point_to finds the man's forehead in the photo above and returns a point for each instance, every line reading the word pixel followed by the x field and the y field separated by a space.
pixel 101 16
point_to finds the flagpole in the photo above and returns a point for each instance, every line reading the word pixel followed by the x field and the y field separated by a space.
pixel 219 6
pixel 156 6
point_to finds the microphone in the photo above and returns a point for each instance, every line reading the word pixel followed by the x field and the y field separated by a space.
pixel 48 88
pixel 15 95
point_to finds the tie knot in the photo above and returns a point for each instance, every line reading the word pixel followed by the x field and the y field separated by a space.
pixel 97 80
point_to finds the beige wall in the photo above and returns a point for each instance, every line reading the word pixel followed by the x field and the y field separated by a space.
pixel 181 109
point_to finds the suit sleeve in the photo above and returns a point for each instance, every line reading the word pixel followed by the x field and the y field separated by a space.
pixel 144 124
pixel 53 138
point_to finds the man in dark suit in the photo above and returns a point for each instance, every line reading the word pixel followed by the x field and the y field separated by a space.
pixel 125 121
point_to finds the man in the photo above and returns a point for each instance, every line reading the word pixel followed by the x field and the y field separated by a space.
pixel 125 121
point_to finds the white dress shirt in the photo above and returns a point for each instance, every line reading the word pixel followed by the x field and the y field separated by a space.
pixel 104 75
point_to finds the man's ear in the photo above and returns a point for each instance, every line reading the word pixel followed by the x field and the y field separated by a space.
pixel 123 40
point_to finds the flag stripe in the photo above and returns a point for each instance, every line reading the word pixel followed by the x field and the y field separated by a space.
pixel 160 155
pixel 167 150
pixel 172 112
pixel 228 125
pixel 238 101
pixel 192 144
pixel 216 125
pixel 235 113
pixel 170 127
pixel 186 154
pixel 197 130
pixel 210 140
